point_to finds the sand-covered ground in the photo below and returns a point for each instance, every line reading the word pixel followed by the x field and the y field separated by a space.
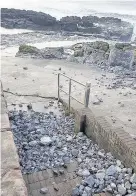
pixel 117 105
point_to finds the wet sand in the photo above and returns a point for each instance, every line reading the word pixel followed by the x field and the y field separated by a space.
pixel 118 106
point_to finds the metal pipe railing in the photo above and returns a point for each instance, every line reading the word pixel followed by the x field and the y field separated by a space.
pixel 87 91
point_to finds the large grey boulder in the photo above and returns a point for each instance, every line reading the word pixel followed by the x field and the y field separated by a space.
pixel 122 55
pixel 95 53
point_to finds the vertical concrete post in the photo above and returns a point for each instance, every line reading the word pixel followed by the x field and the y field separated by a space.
pixel 69 98
pixel 58 87
pixel 87 94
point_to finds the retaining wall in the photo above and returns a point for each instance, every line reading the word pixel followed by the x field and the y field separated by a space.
pixel 114 140
pixel 12 183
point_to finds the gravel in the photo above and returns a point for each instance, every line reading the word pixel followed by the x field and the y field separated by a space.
pixel 47 140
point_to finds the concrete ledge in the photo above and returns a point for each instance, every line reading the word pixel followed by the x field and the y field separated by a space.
pixel 115 140
pixel 12 183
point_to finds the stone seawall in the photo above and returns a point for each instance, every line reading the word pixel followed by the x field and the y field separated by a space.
pixel 12 183
pixel 112 139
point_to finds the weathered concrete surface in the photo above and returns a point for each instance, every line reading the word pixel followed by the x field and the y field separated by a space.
pixel 115 140
pixel 12 183
pixel 41 79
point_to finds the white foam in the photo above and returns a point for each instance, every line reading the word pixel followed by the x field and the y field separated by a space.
pixel 13 31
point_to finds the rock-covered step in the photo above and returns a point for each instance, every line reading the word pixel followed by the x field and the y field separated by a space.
pixel 48 141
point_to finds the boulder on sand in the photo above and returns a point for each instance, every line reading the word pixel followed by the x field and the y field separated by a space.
pixel 122 55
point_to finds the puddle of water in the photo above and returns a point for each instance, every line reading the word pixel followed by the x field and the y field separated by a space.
pixel 40 107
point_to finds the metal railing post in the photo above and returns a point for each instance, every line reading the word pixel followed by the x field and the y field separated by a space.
pixel 87 94
pixel 69 95
pixel 58 87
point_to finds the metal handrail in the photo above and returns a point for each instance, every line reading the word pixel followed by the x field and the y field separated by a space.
pixel 87 91
pixel 72 79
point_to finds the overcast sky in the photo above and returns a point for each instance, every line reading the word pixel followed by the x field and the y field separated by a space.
pixel 67 6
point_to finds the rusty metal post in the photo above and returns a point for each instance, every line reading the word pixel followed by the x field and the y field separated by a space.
pixel 58 87
pixel 87 94
pixel 69 99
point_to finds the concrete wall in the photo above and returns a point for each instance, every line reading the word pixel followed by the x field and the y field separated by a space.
pixel 12 183
pixel 112 139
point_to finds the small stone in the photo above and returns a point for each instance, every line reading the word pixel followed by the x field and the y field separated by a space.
pixel 59 145
pixel 100 175
pixel 20 105
pixel 79 173
pixel 128 185
pixel 74 152
pixel 90 181
pixel 33 143
pixel 129 191
pixel 129 170
pixel 80 134
pixel 118 169
pixel 45 140
pixel 96 102
pixel 84 194
pixel 60 69
pixel 124 170
pixel 133 178
pixel 61 171
pixel 85 173
pixel 113 185
pixel 79 160
pixel 134 186
pixel 55 172
pixel 118 163
pixel 44 190
pixel 100 154
pixel 66 160
pixel 75 192
pixel 69 138
pixel 129 119
pixel 81 188
pixel 109 189
pixel 25 68
pixel 55 186
pixel 111 171
pixel 122 189
pixel 29 106
pixel 88 190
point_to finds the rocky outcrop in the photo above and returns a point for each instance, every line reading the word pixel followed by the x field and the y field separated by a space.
pixel 98 53
pixel 92 53
pixel 46 53
pixel 105 27
pixel 15 18
pixel 108 27
pixel 103 55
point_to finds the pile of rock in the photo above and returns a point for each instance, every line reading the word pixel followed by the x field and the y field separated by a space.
pixel 114 179
pixel 46 140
